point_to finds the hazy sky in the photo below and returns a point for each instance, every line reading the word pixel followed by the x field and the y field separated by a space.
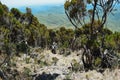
pixel 19 3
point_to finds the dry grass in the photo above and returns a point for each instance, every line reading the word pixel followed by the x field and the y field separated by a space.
pixel 61 67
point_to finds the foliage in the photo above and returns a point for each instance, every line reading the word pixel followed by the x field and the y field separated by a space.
pixel 77 13
pixel 96 37
pixel 42 63
pixel 16 13
pixel 55 60
pixel 67 77
pixel 98 61
pixel 25 26
pixel 17 27
pixel 75 65
pixel 27 71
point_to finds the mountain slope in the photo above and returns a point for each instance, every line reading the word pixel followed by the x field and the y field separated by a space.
pixel 54 16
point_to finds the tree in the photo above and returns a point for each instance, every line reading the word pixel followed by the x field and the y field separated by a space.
pixel 78 11
pixel 82 12
pixel 16 13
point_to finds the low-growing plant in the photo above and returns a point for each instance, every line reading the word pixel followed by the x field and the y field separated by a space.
pixel 27 71
pixel 55 60
pixel 75 65
pixel 67 52
pixel 27 60
pixel 67 77
pixel 97 61
pixel 42 56
pixel 42 63
pixel 35 60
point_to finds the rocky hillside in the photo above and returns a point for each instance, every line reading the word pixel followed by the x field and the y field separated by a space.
pixel 44 65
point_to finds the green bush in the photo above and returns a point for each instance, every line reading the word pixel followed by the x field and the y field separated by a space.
pixel 22 47
pixel 27 60
pixel 27 71
pixel 98 61
pixel 75 65
pixel 67 77
pixel 42 63
pixel 55 60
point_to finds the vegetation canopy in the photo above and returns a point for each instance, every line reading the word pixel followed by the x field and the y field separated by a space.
pixel 92 16
pixel 23 39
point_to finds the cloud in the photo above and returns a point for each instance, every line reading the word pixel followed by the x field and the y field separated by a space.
pixel 18 3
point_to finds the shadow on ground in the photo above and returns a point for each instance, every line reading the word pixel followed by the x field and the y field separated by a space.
pixel 45 76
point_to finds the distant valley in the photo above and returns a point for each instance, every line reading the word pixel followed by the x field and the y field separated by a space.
pixel 53 16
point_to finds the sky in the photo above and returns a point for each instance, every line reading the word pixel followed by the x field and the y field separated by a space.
pixel 21 3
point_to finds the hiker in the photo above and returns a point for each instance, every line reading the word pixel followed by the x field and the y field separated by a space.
pixel 54 47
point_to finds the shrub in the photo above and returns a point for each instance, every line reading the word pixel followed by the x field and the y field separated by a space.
pixel 75 65
pixel 27 71
pixel 27 60
pixel 67 77
pixel 98 61
pixel 55 60
pixel 42 63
